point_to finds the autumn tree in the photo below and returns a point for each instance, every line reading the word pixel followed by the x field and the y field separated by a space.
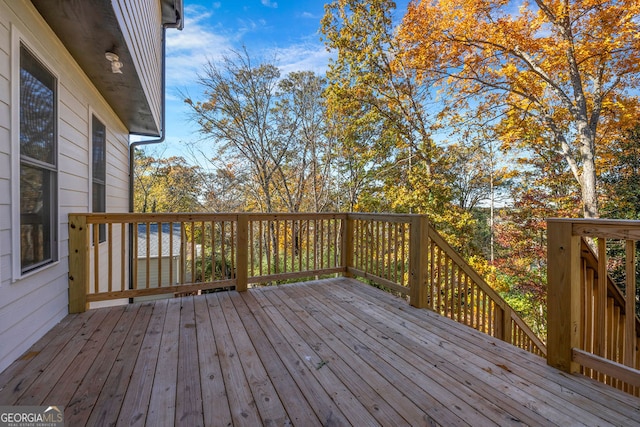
pixel 269 127
pixel 375 98
pixel 236 116
pixel 303 179
pixel 561 66
pixel 621 179
pixel 541 186
pixel 166 184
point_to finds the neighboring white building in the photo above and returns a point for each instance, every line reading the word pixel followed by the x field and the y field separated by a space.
pixel 165 246
pixel 76 79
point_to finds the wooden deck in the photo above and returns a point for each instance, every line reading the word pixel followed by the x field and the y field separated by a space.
pixel 329 352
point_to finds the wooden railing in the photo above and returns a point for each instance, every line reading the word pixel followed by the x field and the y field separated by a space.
pixel 183 253
pixel 403 253
pixel 593 327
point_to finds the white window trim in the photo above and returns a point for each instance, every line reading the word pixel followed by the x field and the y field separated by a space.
pixel 91 114
pixel 16 38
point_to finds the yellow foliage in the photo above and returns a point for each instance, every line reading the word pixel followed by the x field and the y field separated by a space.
pixel 567 68
pixel 489 273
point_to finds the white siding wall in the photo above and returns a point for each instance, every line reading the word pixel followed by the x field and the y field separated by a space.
pixel 5 144
pixel 145 46
pixel 31 305
pixel 141 282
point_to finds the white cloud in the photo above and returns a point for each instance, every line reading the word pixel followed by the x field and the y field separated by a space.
pixel 190 49
pixel 249 26
pixel 303 57
pixel 200 42
pixel 269 3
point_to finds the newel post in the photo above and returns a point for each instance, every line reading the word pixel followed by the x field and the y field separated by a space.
pixel 564 310
pixel 418 261
pixel 242 253
pixel 502 321
pixel 347 246
pixel 78 263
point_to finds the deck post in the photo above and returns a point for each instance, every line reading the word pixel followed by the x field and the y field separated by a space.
pixel 564 311
pixel 502 323
pixel 347 245
pixel 242 253
pixel 418 261
pixel 78 263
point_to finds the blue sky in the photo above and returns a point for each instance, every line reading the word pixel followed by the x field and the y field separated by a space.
pixel 285 29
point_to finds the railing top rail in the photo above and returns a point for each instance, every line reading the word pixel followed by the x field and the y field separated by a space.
pixel 599 221
pixel 624 229
pixel 293 215
pixel 105 218
pixel 532 336
pixel 102 218
pixel 479 280
pixel 390 217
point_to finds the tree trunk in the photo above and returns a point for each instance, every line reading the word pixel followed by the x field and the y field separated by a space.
pixel 588 180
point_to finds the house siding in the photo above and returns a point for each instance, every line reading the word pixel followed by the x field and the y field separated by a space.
pixel 32 304
pixel 165 264
pixel 5 143
pixel 145 45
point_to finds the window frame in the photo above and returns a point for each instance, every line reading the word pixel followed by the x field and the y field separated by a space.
pixel 18 160
pixel 93 120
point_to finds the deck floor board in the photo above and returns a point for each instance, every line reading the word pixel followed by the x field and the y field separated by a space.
pixel 330 352
pixel 484 377
pixel 136 400
pixel 369 389
pixel 590 396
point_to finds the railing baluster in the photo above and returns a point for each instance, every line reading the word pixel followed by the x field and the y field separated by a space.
pixel 110 257
pixel 159 259
pixel 148 254
pixel 203 238
pixel 233 247
pixel 223 251
pixel 308 243
pixel 123 252
pixel 183 253
pixel 630 305
pixel 171 255
pixel 260 245
pixel 96 257
pixel 399 252
pixel 601 300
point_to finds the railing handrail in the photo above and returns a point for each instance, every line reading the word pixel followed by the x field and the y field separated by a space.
pixel 510 314
pixel 104 218
pixel 336 236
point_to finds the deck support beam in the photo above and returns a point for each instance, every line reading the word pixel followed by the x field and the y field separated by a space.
pixel 347 246
pixel 418 261
pixel 242 253
pixel 563 295
pixel 78 263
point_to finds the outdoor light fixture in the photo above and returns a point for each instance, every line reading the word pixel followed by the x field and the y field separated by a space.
pixel 116 65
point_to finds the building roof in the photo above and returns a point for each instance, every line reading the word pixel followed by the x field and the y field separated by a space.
pixel 89 29
pixel 164 237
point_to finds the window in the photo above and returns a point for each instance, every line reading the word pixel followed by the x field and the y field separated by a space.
pixel 99 166
pixel 38 164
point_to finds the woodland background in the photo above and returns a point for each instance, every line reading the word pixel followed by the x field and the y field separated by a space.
pixel 487 116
